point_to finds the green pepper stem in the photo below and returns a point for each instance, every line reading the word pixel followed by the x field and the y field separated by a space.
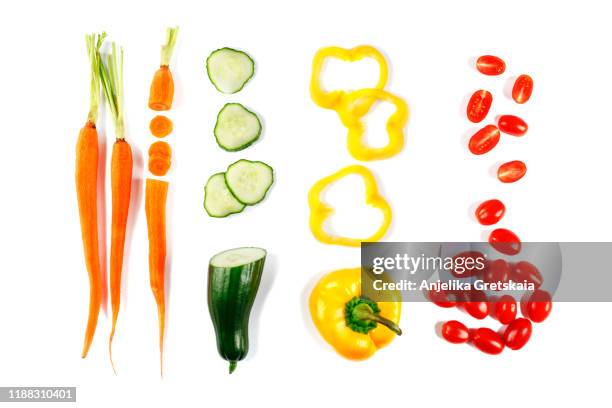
pixel 364 312
pixel 232 366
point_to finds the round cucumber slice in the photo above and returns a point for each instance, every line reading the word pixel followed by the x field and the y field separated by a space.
pixel 249 181
pixel 218 200
pixel 232 258
pixel 236 128
pixel 229 69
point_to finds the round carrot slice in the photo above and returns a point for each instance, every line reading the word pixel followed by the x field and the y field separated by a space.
pixel 160 149
pixel 160 126
pixel 159 166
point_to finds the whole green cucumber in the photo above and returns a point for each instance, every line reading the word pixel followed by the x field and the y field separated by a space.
pixel 233 279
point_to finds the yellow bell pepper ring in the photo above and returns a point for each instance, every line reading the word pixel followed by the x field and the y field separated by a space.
pixel 337 99
pixel 396 123
pixel 320 211
pixel 355 326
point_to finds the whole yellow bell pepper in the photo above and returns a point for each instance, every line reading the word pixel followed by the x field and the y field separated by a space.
pixel 319 211
pixel 355 326
pixel 337 99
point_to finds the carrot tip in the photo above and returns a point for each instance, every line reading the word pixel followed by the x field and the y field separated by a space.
pixel 110 353
pixel 86 347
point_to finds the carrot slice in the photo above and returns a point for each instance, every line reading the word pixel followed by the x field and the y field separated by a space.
pixel 156 192
pixel 160 149
pixel 162 90
pixel 160 126
pixel 159 166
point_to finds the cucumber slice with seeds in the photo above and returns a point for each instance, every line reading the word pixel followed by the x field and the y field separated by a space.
pixel 236 128
pixel 249 181
pixel 229 69
pixel 218 200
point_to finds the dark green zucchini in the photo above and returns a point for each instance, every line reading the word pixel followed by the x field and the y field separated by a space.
pixel 233 280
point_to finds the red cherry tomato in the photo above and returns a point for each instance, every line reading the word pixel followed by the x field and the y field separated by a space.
pixel 477 304
pixel 468 263
pixel 484 140
pixel 497 271
pixel 505 241
pixel 512 125
pixel 487 341
pixel 521 91
pixel 457 296
pixel 505 309
pixel 490 212
pixel 538 307
pixel 490 65
pixel 526 271
pixel 440 298
pixel 479 105
pixel 517 333
pixel 511 171
pixel 455 332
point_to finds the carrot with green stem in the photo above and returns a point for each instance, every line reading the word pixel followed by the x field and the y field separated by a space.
pixel 162 86
pixel 156 192
pixel 86 178
pixel 111 77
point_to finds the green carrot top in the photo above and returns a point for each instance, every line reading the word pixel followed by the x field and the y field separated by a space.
pixel 168 47
pixel 111 76
pixel 94 42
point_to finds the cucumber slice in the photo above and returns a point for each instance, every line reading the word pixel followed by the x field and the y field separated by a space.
pixel 249 181
pixel 236 128
pixel 237 257
pixel 229 69
pixel 218 200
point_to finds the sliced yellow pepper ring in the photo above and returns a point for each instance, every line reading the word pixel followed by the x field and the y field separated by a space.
pixel 396 123
pixel 319 211
pixel 355 326
pixel 337 99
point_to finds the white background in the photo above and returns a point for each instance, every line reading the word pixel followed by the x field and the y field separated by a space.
pixel 433 186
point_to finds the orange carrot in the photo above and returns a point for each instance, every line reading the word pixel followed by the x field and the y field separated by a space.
pixel 156 192
pixel 111 76
pixel 121 186
pixel 87 192
pixel 162 86
pixel 160 126
pixel 86 183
